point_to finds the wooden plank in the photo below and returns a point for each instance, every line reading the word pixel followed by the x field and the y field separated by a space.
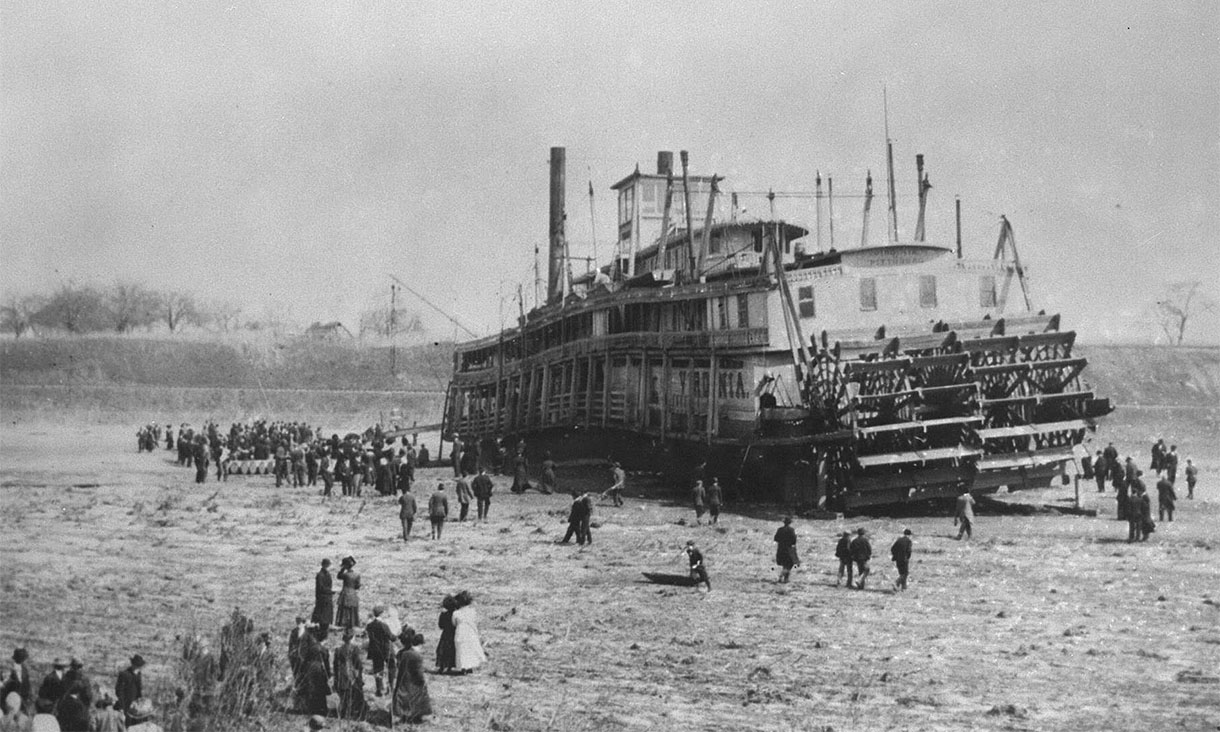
pixel 994 433
pixel 919 425
pixel 917 456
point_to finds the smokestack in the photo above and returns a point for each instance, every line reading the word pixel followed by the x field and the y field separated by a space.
pixel 554 279
pixel 665 162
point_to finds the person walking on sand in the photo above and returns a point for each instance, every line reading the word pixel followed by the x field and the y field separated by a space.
pixel 464 494
pixel 446 651
pixel 1100 470
pixel 620 482
pixel 785 549
pixel 715 498
pixel 468 648
pixel 843 554
pixel 438 510
pixel 482 488
pixel 1135 524
pixel 381 649
pixel 349 596
pixel 698 570
pixel 1166 498
pixel 406 511
pixel 323 599
pixel 861 552
pixel 699 498
pixel 576 515
pixel 1192 477
pixel 1170 464
pixel 900 552
pixel 411 700
pixel 549 483
pixel 964 514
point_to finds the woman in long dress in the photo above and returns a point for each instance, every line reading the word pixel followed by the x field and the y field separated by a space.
pixel 445 651
pixel 549 484
pixel 349 596
pixel 411 700
pixel 469 650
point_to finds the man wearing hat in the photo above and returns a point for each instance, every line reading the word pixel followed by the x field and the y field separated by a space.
pixel 620 482
pixel 785 549
pixel 349 677
pixel 139 717
pixel 130 685
pixel 381 648
pixel 900 552
pixel 53 687
pixel 861 552
pixel 438 510
pixel 76 675
pixel 698 572
pixel 18 680
pixel 324 599
pixel 843 553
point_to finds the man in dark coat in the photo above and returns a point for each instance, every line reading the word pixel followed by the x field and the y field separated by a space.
pixel 482 488
pixel 1192 477
pixel 715 499
pixel 698 570
pixel 381 649
pixel 314 685
pixel 1158 456
pixel 76 675
pixel 1170 463
pixel 53 687
pixel 323 599
pixel 72 711
pixel 202 459
pixel 349 678
pixel 1100 469
pixel 843 554
pixel 18 678
pixel 1166 498
pixel 785 549
pixel 900 552
pixel 576 519
pixel 130 684
pixel 438 510
pixel 406 511
pixel 861 552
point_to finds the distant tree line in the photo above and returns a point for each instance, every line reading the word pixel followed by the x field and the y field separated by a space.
pixel 129 307
pixel 123 307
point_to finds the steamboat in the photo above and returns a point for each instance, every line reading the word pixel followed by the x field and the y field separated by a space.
pixel 717 344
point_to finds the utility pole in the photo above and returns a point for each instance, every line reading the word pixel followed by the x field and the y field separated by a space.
pixel 390 328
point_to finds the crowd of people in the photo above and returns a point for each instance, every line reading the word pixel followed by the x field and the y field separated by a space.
pixel 68 700
pixel 1134 502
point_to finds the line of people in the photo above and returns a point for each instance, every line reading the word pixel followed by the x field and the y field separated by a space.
pixel 1134 502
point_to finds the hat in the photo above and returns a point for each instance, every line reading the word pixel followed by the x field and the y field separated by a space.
pixel 906 532
pixel 317 721
pixel 140 709
pixel 75 663
pixel 59 663
pixel 787 520
pixel 690 542
pixel 860 531
pixel 107 699
pixel 407 634
pixel 378 609
pixel 20 655
pixel 846 533
pixel 137 661
pixel 349 560
pixel 325 562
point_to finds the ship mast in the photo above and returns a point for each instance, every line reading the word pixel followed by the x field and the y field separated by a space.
pixel 868 202
pixel 889 163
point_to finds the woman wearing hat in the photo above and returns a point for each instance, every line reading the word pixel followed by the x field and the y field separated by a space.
pixel 785 549
pixel 349 596
pixel 446 651
pixel 468 649
pixel 139 717
pixel 411 700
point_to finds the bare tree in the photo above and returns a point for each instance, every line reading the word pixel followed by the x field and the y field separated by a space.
pixel 130 305
pixel 1181 303
pixel 178 308
pixel 17 314
pixel 74 308
pixel 223 315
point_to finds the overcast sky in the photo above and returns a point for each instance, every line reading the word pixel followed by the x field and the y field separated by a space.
pixel 291 154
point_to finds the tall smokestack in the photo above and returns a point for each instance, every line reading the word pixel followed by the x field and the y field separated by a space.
pixel 665 162
pixel 554 279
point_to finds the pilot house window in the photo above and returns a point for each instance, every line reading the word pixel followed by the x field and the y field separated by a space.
pixel 927 291
pixel 868 293
pixel 987 297
pixel 805 295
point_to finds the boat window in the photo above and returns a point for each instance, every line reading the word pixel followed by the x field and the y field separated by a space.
pixel 743 311
pixel 987 298
pixel 927 291
pixel 625 200
pixel 868 293
pixel 713 244
pixel 722 313
pixel 758 240
pixel 805 295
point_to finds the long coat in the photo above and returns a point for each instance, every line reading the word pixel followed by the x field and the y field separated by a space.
pixel 785 547
pixel 446 652
pixel 324 600
pixel 468 648
pixel 411 699
pixel 349 598
pixel 128 688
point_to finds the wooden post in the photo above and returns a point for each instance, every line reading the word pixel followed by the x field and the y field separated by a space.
pixel 543 406
pixel 606 390
pixel 589 390
pixel 690 233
